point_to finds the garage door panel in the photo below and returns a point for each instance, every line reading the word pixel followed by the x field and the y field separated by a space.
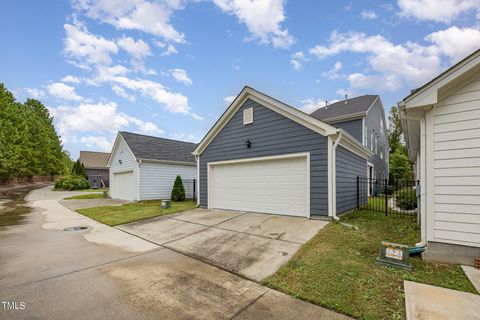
pixel 278 186
pixel 123 185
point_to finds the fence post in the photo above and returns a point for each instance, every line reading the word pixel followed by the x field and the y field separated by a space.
pixel 386 197
pixel 194 193
pixel 358 193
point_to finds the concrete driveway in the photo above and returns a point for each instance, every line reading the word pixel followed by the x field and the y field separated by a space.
pixel 253 245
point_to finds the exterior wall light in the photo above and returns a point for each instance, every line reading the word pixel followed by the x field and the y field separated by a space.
pixel 248 143
pixel 120 161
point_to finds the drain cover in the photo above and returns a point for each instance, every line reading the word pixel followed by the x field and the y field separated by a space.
pixel 75 228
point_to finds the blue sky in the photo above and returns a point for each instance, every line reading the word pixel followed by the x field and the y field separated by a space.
pixel 169 68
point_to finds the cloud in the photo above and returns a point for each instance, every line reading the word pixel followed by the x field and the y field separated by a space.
pixel 393 66
pixel 151 17
pixel 297 60
pixel 181 76
pixel 456 43
pixel 137 49
pixel 333 73
pixel 149 128
pixel 228 100
pixel 368 15
pixel 262 18
pixel 86 49
pixel 184 137
pixel 119 91
pixel 437 10
pixel 63 91
pixel 99 142
pixel 35 93
pixel 71 79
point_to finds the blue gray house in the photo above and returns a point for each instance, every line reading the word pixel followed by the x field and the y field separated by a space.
pixel 364 118
pixel 263 155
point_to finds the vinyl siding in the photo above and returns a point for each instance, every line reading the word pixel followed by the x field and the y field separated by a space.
pixel 372 120
pixel 129 163
pixel 349 166
pixel 456 162
pixel 156 180
pixel 103 173
pixel 270 134
pixel 353 127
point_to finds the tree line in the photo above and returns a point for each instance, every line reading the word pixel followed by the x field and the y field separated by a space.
pixel 29 144
pixel 400 167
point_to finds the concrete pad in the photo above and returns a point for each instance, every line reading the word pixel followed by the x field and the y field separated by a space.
pixel 251 256
pixel 427 302
pixel 473 275
pixel 275 305
pixel 208 217
pixel 76 204
pixel 294 229
pixel 161 230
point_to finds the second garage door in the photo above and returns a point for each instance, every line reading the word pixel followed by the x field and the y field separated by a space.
pixel 123 185
pixel 278 186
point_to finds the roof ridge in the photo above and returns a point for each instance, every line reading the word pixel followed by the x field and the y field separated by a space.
pixel 162 138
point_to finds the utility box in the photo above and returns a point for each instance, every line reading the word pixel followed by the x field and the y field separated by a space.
pixel 165 204
pixel 394 255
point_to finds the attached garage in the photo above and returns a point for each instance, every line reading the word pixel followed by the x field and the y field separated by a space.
pixel 270 185
pixel 265 156
pixel 123 185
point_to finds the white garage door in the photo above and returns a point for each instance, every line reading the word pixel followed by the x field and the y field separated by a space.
pixel 123 185
pixel 279 186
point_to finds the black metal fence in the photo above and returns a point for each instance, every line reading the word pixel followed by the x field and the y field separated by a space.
pixel 391 197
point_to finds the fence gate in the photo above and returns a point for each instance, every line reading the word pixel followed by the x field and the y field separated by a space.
pixel 392 197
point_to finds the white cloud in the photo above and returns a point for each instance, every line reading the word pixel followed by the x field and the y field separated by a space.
pixel 184 137
pixel 181 76
pixel 393 66
pixel 263 19
pixel 297 60
pixel 228 100
pixel 456 43
pixel 119 91
pixel 137 49
pixel 35 93
pixel 333 73
pixel 170 50
pixel 437 10
pixel 309 105
pixel 368 14
pixel 151 17
pixel 99 142
pixel 62 91
pixel 85 48
pixel 71 79
pixel 149 128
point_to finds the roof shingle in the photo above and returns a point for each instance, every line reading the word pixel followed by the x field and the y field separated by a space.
pixel 91 159
pixel 155 148
pixel 347 107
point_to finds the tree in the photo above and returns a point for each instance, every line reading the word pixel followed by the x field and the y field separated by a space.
pixel 401 167
pixel 178 191
pixel 79 169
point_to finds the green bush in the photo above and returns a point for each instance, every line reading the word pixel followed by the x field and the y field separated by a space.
pixel 406 199
pixel 79 169
pixel 71 183
pixel 178 191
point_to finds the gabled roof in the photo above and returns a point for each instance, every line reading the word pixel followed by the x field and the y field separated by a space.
pixel 287 111
pixel 345 109
pixel 154 148
pixel 91 159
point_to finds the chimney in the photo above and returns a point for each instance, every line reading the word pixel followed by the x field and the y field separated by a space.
pixel 346 98
pixel 326 103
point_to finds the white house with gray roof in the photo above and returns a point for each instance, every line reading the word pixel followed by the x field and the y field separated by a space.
pixel 144 167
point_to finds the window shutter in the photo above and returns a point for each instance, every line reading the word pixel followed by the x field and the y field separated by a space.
pixel 247 116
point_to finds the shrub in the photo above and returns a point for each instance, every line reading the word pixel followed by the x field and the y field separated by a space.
pixel 178 191
pixel 79 169
pixel 406 199
pixel 71 183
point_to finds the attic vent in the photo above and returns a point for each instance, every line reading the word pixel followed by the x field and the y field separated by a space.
pixel 248 116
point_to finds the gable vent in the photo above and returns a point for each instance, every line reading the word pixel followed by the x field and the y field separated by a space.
pixel 248 116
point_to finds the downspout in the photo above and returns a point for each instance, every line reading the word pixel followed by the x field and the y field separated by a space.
pixel 334 175
pixel 423 168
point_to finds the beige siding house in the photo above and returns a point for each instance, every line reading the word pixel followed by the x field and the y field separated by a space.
pixel 441 121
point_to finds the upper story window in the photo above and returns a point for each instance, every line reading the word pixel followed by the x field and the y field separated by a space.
pixel 381 126
pixel 376 145
pixel 365 137
pixel 371 141
pixel 381 153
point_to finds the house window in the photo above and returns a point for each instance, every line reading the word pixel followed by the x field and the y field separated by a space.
pixel 371 141
pixel 381 126
pixel 381 153
pixel 376 145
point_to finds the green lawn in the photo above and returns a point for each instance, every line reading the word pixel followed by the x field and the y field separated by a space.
pixel 94 190
pixel 86 196
pixel 336 269
pixel 115 215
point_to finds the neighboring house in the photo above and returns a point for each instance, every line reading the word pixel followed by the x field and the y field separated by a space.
pixel 364 118
pixel 265 156
pixel 96 168
pixel 441 122
pixel 144 167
